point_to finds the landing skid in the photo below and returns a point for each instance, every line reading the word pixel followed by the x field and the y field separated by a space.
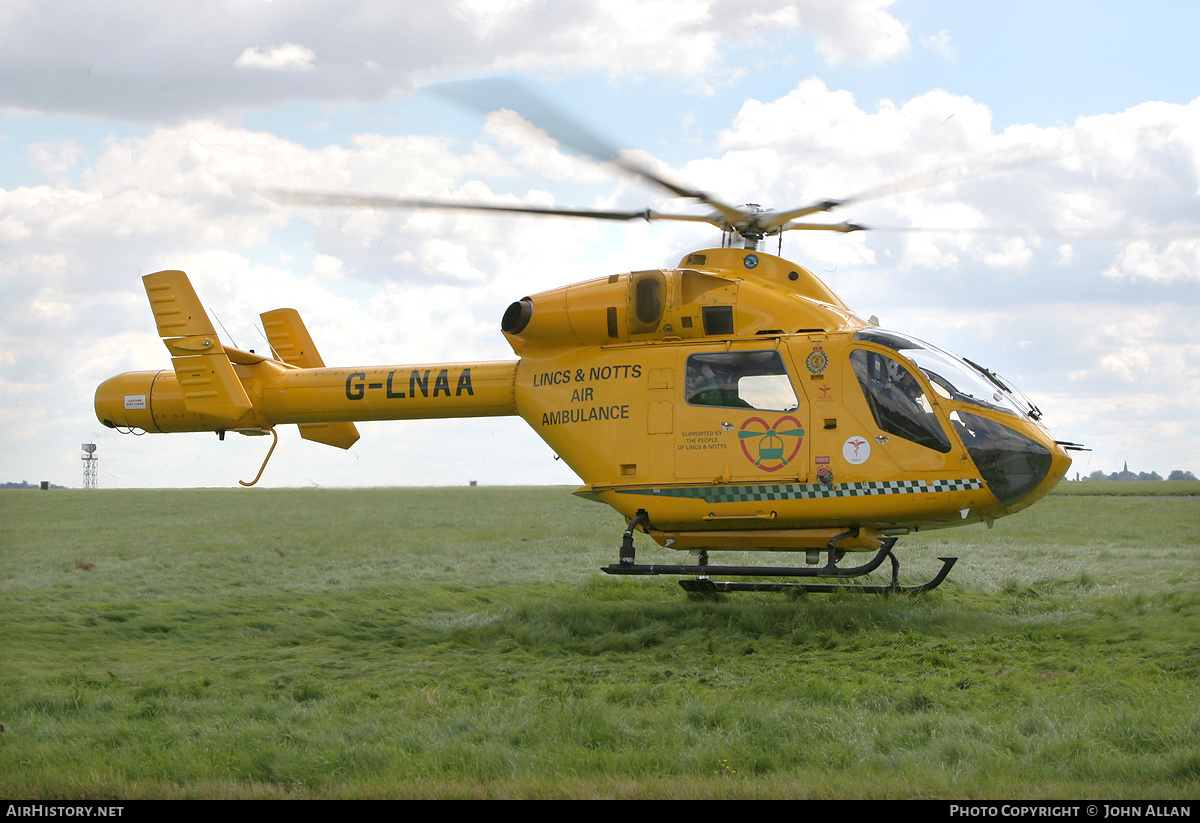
pixel 704 583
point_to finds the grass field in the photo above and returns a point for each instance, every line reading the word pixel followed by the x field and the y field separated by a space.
pixel 460 642
pixel 1131 488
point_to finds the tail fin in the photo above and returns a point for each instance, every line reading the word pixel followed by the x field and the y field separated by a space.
pixel 206 375
pixel 291 341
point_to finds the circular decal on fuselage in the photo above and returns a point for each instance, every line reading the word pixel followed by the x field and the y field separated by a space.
pixel 751 260
pixel 816 361
pixel 771 446
pixel 856 450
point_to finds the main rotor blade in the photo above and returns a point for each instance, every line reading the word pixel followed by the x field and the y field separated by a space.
pixel 963 170
pixel 491 94
pixel 844 227
pixel 316 198
pixel 981 166
pixel 1116 234
pixel 779 220
pixel 286 197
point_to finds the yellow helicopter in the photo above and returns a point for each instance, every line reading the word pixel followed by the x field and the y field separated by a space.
pixel 733 402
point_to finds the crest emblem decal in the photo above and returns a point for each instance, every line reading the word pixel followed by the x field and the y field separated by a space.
pixel 817 360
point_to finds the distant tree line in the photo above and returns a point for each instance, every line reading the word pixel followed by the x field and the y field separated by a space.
pixel 24 484
pixel 1126 474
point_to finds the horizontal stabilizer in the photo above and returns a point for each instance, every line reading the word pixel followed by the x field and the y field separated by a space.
pixel 210 386
pixel 206 376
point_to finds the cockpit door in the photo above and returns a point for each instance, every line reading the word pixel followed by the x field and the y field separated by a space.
pixel 908 426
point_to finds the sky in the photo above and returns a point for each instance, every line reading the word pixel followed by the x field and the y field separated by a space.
pixel 133 133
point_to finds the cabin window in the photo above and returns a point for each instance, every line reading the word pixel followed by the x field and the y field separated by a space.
pixel 897 400
pixel 739 380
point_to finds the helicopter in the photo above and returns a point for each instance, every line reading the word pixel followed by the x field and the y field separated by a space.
pixel 733 402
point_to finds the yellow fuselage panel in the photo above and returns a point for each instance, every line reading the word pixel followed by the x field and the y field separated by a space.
pixel 153 401
pixel 726 299
pixel 392 393
pixel 882 505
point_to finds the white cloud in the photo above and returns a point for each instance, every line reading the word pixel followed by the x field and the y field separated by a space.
pixel 855 32
pixel 55 158
pixel 125 60
pixel 326 267
pixel 829 129
pixel 940 43
pixel 1177 260
pixel 1014 252
pixel 288 57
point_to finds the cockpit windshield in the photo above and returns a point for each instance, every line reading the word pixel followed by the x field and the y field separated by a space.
pixel 952 377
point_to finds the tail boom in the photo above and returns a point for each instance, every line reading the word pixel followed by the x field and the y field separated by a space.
pixel 154 401
pixel 216 387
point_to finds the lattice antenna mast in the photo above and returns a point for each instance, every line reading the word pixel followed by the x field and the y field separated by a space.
pixel 90 461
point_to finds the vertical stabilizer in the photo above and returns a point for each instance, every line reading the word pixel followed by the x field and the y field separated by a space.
pixel 290 340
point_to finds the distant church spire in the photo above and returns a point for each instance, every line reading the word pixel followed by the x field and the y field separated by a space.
pixel 1126 474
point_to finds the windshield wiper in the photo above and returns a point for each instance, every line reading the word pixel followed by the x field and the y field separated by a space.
pixel 989 374
pixel 1034 411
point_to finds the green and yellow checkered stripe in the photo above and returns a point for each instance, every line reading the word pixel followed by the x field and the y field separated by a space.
pixel 811 491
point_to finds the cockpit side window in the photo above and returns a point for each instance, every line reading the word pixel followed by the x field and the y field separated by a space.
pixel 739 380
pixel 953 377
pixel 897 400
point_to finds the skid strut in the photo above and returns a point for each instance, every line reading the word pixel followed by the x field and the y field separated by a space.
pixel 704 583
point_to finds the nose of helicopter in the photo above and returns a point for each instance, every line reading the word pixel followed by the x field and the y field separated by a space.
pixel 1020 466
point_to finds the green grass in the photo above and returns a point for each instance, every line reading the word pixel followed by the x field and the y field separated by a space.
pixel 1131 488
pixel 461 643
